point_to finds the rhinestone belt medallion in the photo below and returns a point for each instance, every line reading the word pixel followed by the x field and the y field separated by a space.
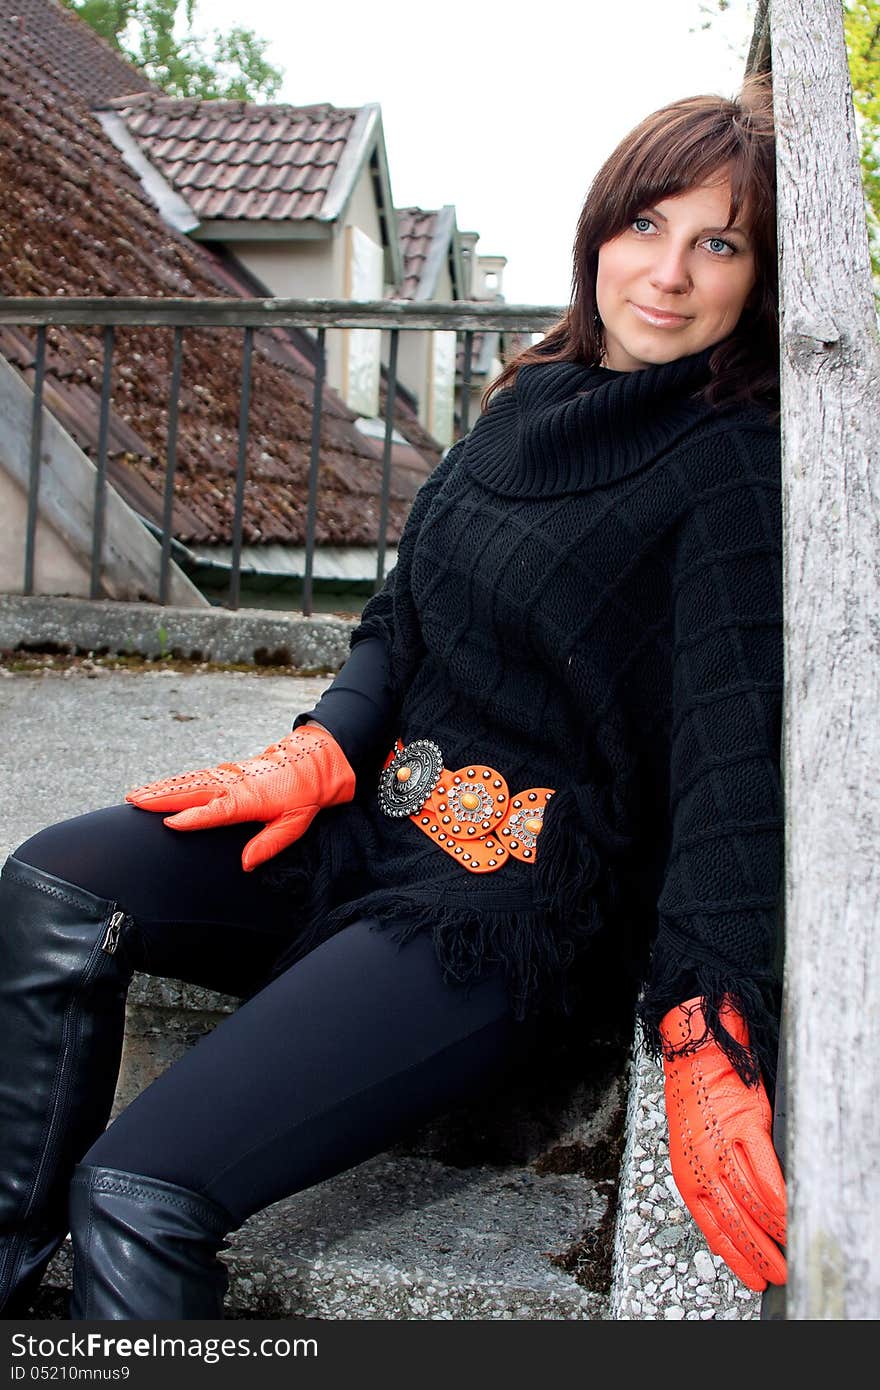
pixel 469 813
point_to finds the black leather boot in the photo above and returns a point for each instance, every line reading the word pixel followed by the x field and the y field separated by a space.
pixel 64 974
pixel 144 1248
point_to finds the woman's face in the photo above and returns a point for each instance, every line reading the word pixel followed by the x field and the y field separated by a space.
pixel 674 281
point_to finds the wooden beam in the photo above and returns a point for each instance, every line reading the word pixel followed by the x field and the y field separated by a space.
pixel 831 729
pixel 280 313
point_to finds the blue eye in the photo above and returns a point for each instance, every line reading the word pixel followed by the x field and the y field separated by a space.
pixel 717 245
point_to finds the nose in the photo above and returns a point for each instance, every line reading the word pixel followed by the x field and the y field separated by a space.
pixel 669 271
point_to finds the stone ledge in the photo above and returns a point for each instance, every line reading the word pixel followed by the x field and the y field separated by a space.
pixel 162 992
pixel 368 1243
pixel 663 1269
pixel 257 636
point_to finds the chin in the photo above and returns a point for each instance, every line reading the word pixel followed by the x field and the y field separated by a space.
pixel 653 349
pixel 665 352
pixel 659 354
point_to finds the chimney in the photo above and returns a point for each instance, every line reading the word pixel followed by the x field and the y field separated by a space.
pixel 489 273
pixel 467 242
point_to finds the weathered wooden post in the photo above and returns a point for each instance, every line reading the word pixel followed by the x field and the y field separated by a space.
pixel 831 735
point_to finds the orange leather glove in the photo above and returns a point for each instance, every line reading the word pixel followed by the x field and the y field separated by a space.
pixel 286 786
pixel 720 1147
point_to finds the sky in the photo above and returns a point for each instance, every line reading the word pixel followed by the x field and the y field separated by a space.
pixel 505 111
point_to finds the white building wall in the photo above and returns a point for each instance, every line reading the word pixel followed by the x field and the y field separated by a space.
pixel 322 269
pixel 426 367
pixel 291 269
pixel 353 356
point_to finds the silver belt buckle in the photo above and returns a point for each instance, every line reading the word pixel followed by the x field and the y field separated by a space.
pixel 408 780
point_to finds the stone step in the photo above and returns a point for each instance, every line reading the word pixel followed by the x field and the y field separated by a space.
pixel 551 1200
pixel 497 1209
pixel 400 1237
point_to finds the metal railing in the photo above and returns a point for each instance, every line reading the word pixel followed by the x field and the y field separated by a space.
pixel 463 317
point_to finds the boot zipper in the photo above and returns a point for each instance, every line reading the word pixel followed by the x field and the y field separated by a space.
pixel 70 1029
pixel 111 936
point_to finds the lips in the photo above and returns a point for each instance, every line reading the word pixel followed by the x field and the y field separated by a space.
pixel 658 318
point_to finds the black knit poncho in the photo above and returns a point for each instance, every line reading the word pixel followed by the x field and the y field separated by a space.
pixel 588 596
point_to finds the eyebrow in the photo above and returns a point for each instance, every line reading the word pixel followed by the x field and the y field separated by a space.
pixel 742 231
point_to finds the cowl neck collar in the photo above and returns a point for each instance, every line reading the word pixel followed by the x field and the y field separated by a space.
pixel 566 427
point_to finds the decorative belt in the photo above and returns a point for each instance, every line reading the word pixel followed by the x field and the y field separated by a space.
pixel 469 813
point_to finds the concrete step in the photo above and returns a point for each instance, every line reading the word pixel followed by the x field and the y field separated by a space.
pixel 497 1209
pixel 407 1238
pixel 552 1199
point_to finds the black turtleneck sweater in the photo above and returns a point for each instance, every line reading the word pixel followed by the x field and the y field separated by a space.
pixel 587 597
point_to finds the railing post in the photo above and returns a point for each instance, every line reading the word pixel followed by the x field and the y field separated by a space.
pixel 390 394
pixel 314 464
pixel 30 539
pixel 466 382
pixel 101 472
pixel 241 468
pixel 170 466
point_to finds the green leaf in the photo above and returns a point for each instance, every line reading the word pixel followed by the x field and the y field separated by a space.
pixel 157 37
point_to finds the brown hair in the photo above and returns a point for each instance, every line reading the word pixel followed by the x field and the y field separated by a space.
pixel 672 150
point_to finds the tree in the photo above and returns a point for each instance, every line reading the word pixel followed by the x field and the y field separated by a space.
pixel 148 33
pixel 861 24
pixel 861 21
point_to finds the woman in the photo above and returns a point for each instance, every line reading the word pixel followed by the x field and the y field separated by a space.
pixel 559 723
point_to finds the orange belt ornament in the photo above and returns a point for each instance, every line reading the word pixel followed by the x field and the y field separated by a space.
pixel 469 813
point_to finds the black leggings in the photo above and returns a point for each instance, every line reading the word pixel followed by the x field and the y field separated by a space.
pixel 352 1046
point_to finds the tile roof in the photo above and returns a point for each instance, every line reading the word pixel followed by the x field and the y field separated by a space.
pixel 69 50
pixel 74 220
pixel 416 228
pixel 238 159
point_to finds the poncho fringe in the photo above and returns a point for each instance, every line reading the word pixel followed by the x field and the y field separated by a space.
pixel 754 998
pixel 536 945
